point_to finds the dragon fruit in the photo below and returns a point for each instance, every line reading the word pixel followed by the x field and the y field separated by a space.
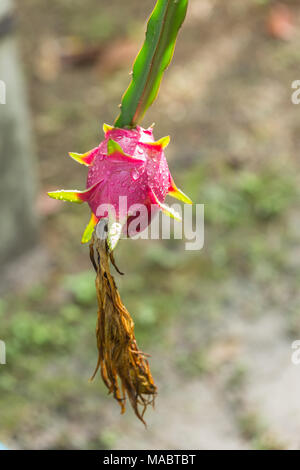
pixel 128 164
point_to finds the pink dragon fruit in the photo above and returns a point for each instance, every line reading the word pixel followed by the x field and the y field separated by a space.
pixel 127 164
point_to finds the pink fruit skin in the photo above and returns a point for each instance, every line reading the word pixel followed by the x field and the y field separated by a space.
pixel 128 180
pixel 137 177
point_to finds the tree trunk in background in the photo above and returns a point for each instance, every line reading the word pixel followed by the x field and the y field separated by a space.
pixel 17 172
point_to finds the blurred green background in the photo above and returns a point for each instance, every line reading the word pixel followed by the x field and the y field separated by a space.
pixel 219 322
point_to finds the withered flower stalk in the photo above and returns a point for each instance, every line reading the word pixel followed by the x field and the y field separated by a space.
pixel 124 368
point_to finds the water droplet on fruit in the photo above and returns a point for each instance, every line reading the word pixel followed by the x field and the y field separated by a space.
pixel 135 174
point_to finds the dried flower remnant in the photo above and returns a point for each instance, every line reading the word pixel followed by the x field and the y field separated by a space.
pixel 124 368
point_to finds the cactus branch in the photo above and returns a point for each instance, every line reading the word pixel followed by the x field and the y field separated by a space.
pixel 151 62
